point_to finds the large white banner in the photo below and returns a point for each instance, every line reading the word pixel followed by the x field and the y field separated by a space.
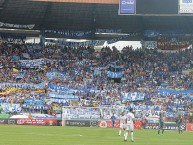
pixel 185 6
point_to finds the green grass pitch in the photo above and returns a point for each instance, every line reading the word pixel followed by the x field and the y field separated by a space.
pixel 42 135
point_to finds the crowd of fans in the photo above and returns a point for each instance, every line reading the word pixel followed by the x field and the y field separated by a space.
pixel 144 71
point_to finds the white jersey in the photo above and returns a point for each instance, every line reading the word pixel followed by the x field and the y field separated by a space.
pixel 130 117
pixel 123 119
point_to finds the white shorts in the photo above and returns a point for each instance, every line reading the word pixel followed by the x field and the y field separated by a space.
pixel 129 127
pixel 122 125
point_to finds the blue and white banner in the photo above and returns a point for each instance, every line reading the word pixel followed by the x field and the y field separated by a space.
pixel 67 90
pixel 114 74
pixel 147 107
pixel 10 108
pixel 60 89
pixel 81 113
pixel 33 103
pixel 184 94
pixel 32 63
pixel 56 75
pixel 71 33
pixel 152 113
pixel 127 7
pixel 63 96
pixel 186 7
pixel 132 97
pixel 23 86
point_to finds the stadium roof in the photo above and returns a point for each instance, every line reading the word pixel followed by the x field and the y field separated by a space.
pixel 98 14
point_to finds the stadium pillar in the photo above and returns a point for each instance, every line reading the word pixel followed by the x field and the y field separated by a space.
pixel 42 37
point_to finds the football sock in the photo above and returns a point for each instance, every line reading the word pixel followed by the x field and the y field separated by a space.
pixel 120 132
pixel 132 138
pixel 126 135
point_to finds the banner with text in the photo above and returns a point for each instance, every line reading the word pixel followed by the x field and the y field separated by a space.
pixel 23 86
pixel 76 44
pixel 32 63
pixel 126 7
pixel 7 121
pixel 64 96
pixel 45 122
pixel 18 26
pixel 71 33
pixel 167 126
pixel 82 123
pixel 183 93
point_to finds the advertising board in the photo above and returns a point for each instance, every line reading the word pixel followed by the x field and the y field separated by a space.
pixel 46 122
pixel 81 123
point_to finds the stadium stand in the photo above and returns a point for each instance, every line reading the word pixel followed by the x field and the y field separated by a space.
pixel 40 78
pixel 43 79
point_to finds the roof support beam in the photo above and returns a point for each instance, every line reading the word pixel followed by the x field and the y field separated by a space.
pixel 83 1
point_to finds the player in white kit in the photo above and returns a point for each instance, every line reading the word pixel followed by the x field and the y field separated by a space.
pixel 130 124
pixel 122 123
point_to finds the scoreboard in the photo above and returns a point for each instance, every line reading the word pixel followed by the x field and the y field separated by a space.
pixel 186 6
pixel 156 7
